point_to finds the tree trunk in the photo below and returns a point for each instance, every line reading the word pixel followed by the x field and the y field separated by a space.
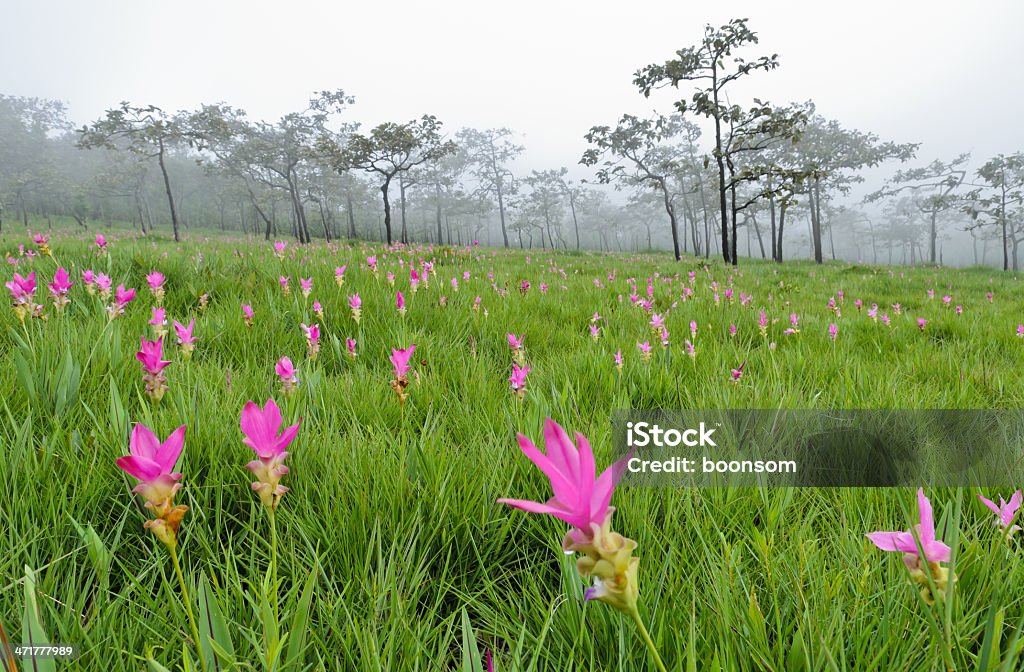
pixel 387 207
pixel 351 216
pixel 782 225
pixel 671 210
pixel 816 222
pixel 170 196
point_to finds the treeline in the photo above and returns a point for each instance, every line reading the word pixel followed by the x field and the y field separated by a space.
pixel 711 177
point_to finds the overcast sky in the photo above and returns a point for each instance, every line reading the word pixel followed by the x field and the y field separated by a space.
pixel 943 73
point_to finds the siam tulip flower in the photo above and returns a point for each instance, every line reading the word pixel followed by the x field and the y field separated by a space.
pixel 247 312
pixel 515 344
pixel 618 360
pixel 465 276
pixel 350 347
pixel 946 300
pixel 921 323
pixel 156 281
pixel 691 351
pixel 595 332
pixel 873 312
pixel 261 428
pixel 931 294
pixel 414 283
pixel 959 310
pixel 371 261
pixel 122 297
pixel 89 280
pixel 1005 511
pixel 833 331
pixel 443 301
pixel 518 380
pixel 524 287
pixel 318 310
pixel 355 304
pixel 732 330
pixel 186 341
pixel 159 322
pixel 400 362
pixel 476 304
pixel 284 285
pixel 583 500
pixel 859 304
pixel 400 303
pixel 917 546
pixel 738 373
pixel 285 370
pixel 645 350
pixel 153 365
pixel 101 243
pixel 279 248
pixel 312 339
pixel 59 288
pixel 595 318
pixel 23 290
pixel 307 286
pixel 897 308
pixel 204 300
pixel 657 323
pixel 339 275
pixel 988 295
pixel 103 284
pixel 693 329
pixel 762 323
pixel 152 464
pixel 885 319
pixel 42 241
pixel 1020 331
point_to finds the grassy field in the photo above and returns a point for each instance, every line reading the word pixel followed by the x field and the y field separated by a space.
pixel 391 529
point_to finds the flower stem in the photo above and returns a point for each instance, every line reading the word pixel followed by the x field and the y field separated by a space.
pixel 273 564
pixel 635 614
pixel 188 605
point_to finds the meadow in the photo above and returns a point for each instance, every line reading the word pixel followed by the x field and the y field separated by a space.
pixel 393 552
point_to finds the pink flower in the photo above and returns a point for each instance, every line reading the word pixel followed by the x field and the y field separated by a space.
pixel 279 247
pixel 312 339
pixel 101 242
pixel 247 312
pixel 514 342
pixel 103 283
pixel 904 542
pixel 88 277
pixel 581 498
pixel 618 359
pixel 833 331
pixel 400 302
pixel 152 463
pixel 355 304
pixel 518 379
pixel 185 338
pixel 283 281
pixel 122 297
pixel 307 286
pixel 156 280
pixel 738 373
pixel 693 329
pixel 1020 331
pixel 400 361
pixel 595 332
pixel 159 319
pixel 285 370
pixel 150 354
pixel 921 323
pixel 22 289
pixel 350 347
pixel 1006 511
pixel 261 428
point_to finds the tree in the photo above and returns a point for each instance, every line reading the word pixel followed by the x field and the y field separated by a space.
pixel 544 202
pixel 934 187
pixel 829 156
pixel 489 153
pixel 27 163
pixel 638 151
pixel 147 132
pixel 1000 201
pixel 389 149
pixel 706 64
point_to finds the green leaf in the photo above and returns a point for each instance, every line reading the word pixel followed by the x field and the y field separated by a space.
pixel 24 371
pixel 33 633
pixel 300 624
pixel 215 644
pixel 470 653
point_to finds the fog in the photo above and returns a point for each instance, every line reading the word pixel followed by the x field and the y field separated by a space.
pixel 942 74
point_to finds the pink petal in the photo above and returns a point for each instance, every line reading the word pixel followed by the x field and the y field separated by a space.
pixel 168 453
pixel 141 468
pixel 564 489
pixel 143 442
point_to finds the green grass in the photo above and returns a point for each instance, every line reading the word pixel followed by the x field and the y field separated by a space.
pixel 392 509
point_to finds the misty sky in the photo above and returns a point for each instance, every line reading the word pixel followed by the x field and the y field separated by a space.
pixel 942 73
